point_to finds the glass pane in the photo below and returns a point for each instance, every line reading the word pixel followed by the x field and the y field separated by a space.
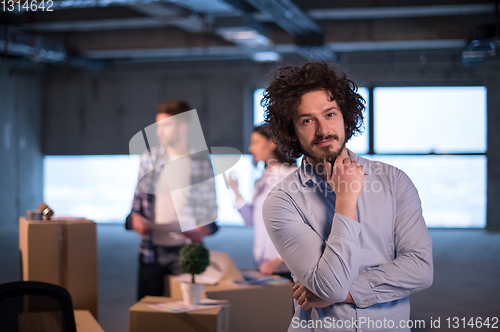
pixel 430 119
pixel 258 111
pixel 246 174
pixel 452 195
pixel 359 144
pixel 100 188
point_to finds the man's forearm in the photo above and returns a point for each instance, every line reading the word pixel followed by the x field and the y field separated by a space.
pixel 347 207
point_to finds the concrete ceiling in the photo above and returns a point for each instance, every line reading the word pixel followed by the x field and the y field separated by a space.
pixel 90 31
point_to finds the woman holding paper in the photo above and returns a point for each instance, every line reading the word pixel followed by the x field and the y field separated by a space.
pixel 277 167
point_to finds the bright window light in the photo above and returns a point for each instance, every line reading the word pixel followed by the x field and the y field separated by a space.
pixel 452 188
pixel 269 56
pixel 100 188
pixel 430 119
pixel 258 111
pixel 359 143
pixel 246 174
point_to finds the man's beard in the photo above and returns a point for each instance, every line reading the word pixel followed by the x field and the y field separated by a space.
pixel 328 154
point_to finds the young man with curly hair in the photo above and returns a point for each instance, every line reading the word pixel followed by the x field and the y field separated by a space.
pixel 350 229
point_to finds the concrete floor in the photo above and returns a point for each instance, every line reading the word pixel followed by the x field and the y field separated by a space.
pixel 466 272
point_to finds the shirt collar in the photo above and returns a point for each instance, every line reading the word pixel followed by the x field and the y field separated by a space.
pixel 306 172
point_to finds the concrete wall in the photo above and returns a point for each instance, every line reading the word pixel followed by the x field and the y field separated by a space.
pixel 21 161
pixel 98 113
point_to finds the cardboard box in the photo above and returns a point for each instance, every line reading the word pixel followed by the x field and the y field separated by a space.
pixel 85 322
pixel 142 318
pixel 267 307
pixel 256 308
pixel 62 252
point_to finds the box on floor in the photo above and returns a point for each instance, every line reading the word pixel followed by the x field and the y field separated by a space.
pixel 143 318
pixel 64 253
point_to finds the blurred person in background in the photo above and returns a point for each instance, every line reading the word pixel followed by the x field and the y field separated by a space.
pixel 277 167
pixel 154 215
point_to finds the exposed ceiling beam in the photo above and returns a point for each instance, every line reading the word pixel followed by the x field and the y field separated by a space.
pixel 40 50
pixel 174 16
pixel 288 16
pixel 201 53
pixel 215 7
pixel 94 25
pixel 212 7
pixel 398 45
pixel 189 23
pixel 67 4
pixel 389 12
pixel 306 33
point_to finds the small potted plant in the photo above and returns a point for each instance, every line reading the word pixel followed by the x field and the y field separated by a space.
pixel 193 259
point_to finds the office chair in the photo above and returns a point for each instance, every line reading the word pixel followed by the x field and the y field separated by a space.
pixel 31 306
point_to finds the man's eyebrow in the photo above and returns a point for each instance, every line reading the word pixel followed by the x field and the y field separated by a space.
pixel 324 111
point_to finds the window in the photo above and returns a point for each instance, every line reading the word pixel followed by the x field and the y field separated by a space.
pixel 452 188
pixel 258 111
pixel 359 143
pixel 437 135
pixel 100 188
pixel 246 174
pixel 430 119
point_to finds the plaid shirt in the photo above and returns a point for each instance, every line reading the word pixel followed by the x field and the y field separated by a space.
pixel 202 204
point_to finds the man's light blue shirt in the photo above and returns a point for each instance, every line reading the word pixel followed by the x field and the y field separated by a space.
pixel 380 260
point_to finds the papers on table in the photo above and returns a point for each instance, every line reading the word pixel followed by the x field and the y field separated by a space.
pixel 253 277
pixel 180 307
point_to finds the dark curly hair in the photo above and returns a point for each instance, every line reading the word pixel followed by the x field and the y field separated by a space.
pixel 283 96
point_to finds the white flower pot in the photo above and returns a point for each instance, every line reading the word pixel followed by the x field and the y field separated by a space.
pixel 191 293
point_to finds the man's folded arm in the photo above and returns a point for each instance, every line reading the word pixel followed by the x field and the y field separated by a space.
pixel 327 267
pixel 412 268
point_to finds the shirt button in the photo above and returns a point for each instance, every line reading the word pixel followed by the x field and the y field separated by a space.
pixel 366 302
